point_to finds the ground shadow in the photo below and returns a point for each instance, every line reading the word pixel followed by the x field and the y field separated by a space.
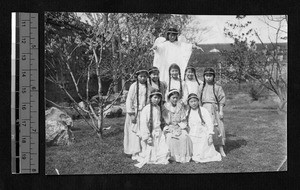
pixel 233 142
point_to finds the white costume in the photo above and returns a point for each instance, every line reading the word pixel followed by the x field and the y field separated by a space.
pixel 132 131
pixel 170 52
pixel 158 151
pixel 190 86
pixel 199 134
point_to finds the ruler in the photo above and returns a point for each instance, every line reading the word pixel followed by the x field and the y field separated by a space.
pixel 24 112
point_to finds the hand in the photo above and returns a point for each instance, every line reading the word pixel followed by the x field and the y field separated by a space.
pixel 154 48
pixel 166 129
pixel 210 140
pixel 221 114
pixel 197 47
pixel 149 140
pixel 133 119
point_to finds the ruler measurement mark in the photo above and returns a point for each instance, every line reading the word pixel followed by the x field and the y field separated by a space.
pixel 26 109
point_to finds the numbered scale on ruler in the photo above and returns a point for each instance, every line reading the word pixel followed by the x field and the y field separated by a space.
pixel 27 95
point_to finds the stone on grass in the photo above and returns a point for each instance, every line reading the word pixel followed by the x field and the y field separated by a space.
pixel 58 127
pixel 113 111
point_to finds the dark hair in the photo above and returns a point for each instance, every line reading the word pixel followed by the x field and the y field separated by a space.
pixel 141 71
pixel 153 91
pixel 172 30
pixel 194 71
pixel 169 95
pixel 150 80
pixel 168 38
pixel 175 66
pixel 137 95
pixel 152 69
pixel 209 70
pixel 199 111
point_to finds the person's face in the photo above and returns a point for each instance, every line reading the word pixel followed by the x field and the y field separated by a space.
pixel 155 99
pixel 174 73
pixel 209 78
pixel 190 74
pixel 194 103
pixel 154 76
pixel 142 78
pixel 174 99
pixel 172 37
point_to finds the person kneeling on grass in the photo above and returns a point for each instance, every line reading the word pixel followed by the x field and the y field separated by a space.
pixel 201 130
pixel 154 147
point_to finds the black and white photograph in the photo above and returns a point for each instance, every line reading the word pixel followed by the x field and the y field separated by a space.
pixel 151 93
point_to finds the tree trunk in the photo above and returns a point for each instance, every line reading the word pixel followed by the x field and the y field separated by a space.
pixel 114 64
pixel 283 100
pixel 100 121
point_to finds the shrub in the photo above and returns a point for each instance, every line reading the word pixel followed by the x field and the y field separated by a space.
pixel 254 93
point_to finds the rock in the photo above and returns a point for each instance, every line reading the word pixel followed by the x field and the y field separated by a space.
pixel 82 105
pixel 113 111
pixel 124 96
pixel 123 107
pixel 58 127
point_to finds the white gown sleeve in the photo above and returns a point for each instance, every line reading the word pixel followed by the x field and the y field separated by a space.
pixel 185 92
pixel 158 60
pixel 130 99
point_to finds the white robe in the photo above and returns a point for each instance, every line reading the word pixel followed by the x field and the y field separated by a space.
pixel 190 87
pixel 132 131
pixel 202 151
pixel 168 53
pixel 158 151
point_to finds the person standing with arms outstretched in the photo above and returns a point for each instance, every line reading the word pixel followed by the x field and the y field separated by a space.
pixel 169 50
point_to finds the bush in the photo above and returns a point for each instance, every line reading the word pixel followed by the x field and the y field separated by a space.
pixel 254 93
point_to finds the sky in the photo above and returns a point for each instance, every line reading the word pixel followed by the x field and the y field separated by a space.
pixel 217 23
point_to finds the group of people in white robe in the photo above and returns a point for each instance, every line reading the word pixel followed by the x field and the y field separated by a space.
pixel 179 118
pixel 179 121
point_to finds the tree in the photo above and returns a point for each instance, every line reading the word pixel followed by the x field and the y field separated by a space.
pixel 106 50
pixel 245 62
pixel 106 45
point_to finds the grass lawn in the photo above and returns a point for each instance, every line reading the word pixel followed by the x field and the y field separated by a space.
pixel 256 142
